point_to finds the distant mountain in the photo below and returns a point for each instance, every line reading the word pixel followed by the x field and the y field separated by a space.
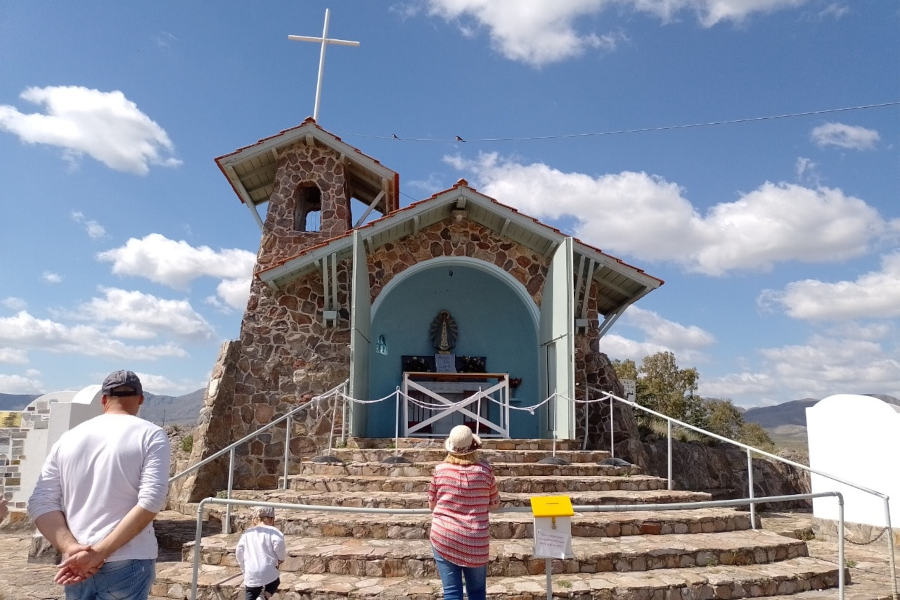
pixel 162 410
pixel 793 412
pixel 173 410
pixel 787 413
pixel 15 401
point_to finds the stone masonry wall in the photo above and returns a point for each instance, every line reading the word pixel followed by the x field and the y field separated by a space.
pixel 594 369
pixel 463 238
pixel 297 165
pixel 285 356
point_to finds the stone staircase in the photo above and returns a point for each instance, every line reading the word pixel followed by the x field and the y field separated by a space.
pixel 702 554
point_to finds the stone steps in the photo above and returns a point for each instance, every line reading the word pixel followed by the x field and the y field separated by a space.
pixel 424 469
pixel 513 557
pixel 434 454
pixel 701 554
pixel 487 443
pixel 503 525
pixel 531 484
pixel 420 500
pixel 689 583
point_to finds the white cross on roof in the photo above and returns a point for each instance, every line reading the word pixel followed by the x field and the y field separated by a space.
pixel 324 41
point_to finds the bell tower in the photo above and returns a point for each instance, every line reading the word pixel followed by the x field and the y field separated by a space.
pixel 311 182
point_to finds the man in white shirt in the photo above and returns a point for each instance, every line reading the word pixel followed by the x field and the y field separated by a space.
pixel 259 553
pixel 99 490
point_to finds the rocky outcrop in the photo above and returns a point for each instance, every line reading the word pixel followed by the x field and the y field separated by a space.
pixel 721 470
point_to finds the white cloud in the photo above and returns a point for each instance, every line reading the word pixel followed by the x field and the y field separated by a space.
pixel 712 12
pixel 872 295
pixel 759 386
pixel 829 365
pixel 618 347
pixel 687 342
pixel 51 277
pixel 647 217
pixel 162 385
pixel 853 361
pixel 14 303
pixel 845 136
pixel 16 384
pixel 235 292
pixel 535 32
pixel 27 332
pixel 807 171
pixel 143 316
pixel 94 229
pixel 835 10
pixel 433 183
pixel 13 356
pixel 165 40
pixel 177 263
pixel 104 125
pixel 538 32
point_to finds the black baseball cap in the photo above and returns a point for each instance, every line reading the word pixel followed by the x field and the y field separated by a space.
pixel 118 379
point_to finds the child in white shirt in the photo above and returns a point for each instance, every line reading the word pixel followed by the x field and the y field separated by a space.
pixel 259 553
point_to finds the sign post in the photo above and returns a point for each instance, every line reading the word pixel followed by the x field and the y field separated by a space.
pixel 552 531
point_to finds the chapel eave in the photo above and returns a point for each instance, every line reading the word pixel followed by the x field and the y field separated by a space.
pixel 251 170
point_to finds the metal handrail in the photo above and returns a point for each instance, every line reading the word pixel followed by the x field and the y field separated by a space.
pixel 231 447
pixel 524 509
pixel 750 449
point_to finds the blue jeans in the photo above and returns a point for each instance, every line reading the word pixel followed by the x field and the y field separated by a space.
pixel 117 580
pixel 452 579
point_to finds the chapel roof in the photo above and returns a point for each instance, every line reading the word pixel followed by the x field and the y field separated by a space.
pixel 622 283
pixel 251 170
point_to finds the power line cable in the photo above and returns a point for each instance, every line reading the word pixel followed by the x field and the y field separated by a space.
pixel 538 138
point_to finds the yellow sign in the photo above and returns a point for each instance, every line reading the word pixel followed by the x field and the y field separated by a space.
pixel 552 506
pixel 10 418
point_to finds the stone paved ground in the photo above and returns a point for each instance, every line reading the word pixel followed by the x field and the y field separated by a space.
pixel 20 580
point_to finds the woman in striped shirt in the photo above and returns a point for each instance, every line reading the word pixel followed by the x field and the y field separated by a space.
pixel 461 493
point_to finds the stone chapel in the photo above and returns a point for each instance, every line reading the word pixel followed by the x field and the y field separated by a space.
pixel 448 295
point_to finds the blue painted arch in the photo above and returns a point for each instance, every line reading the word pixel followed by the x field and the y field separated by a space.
pixel 496 318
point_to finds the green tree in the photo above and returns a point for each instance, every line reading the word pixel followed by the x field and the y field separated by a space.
pixel 666 388
pixel 724 418
pixel 625 369
pixel 754 435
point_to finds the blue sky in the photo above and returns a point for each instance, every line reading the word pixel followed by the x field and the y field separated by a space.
pixel 123 246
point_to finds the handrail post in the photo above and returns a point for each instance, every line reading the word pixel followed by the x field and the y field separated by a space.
pixel 478 412
pixel 840 499
pixel 287 450
pixel 197 535
pixel 552 407
pixel 331 430
pixel 750 488
pixel 669 451
pixel 890 536
pixel 612 432
pixel 344 419
pixel 507 426
pixel 397 420
pixel 587 406
pixel 227 524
